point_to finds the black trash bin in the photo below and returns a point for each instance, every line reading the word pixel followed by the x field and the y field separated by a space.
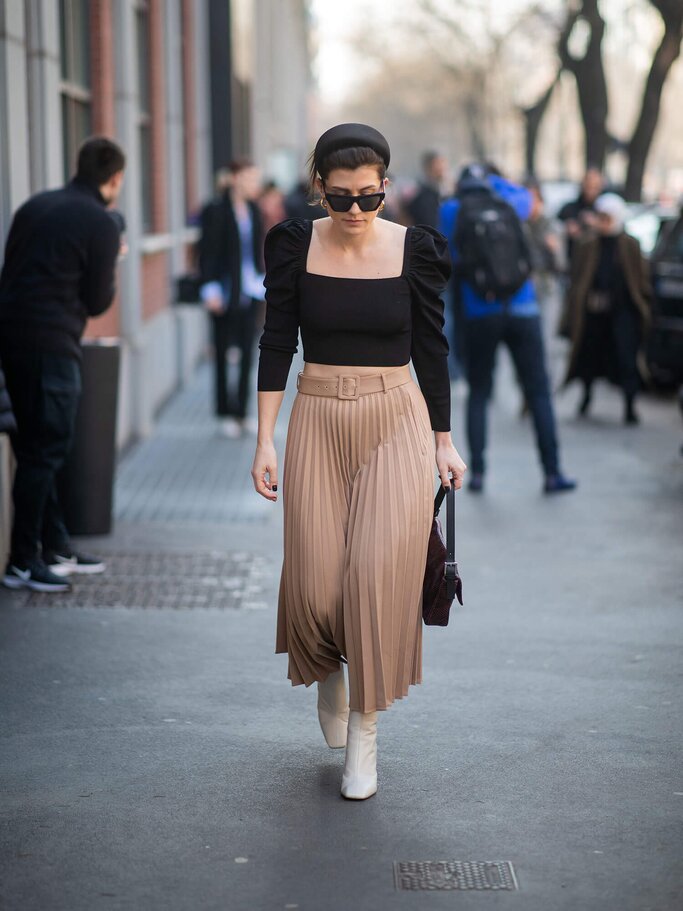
pixel 86 483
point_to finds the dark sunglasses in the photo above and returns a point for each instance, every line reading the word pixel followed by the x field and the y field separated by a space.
pixel 368 203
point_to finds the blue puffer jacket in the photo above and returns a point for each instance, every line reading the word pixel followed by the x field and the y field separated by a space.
pixel 524 302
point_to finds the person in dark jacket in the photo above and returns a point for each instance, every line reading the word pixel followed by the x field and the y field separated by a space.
pixel 7 420
pixel 578 216
pixel 608 307
pixel 59 270
pixel 423 208
pixel 231 268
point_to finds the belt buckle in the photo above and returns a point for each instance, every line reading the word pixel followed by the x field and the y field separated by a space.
pixel 343 386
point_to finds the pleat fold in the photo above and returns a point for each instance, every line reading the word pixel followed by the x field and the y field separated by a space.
pixel 357 488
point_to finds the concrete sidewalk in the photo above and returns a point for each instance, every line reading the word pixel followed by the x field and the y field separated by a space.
pixel 155 756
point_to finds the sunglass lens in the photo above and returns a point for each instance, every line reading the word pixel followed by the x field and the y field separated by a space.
pixel 370 203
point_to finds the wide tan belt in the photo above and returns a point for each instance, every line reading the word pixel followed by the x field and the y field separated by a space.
pixel 352 385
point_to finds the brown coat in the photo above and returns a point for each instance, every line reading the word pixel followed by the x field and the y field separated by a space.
pixel 584 265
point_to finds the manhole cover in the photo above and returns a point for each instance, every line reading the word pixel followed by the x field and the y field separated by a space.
pixel 484 876
pixel 169 580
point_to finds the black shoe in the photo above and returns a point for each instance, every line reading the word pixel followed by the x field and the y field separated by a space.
pixel 631 416
pixel 476 484
pixel 63 564
pixel 557 483
pixel 34 575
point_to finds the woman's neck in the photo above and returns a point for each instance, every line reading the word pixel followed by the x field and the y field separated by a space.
pixel 349 243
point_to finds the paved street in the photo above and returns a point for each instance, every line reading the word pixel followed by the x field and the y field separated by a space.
pixel 155 757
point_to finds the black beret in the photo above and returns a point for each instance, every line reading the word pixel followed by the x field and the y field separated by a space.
pixel 349 136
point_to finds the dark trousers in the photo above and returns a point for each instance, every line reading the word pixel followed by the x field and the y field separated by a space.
pixel 235 328
pixel 523 337
pixel 44 389
pixel 609 347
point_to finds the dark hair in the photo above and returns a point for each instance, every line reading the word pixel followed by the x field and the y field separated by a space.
pixel 98 160
pixel 240 164
pixel 428 158
pixel 348 159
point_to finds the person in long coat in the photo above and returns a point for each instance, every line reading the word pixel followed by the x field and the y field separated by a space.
pixel 608 307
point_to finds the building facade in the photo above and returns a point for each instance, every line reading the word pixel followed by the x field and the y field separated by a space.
pixel 183 86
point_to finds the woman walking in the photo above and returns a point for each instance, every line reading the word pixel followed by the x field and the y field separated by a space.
pixel 358 482
pixel 608 307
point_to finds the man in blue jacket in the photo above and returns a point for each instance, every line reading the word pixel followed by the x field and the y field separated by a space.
pixel 515 321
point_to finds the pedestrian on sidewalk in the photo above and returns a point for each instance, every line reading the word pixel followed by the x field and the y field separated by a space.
pixel 578 216
pixel 423 207
pixel 59 269
pixel 493 267
pixel 230 264
pixel 358 482
pixel 608 307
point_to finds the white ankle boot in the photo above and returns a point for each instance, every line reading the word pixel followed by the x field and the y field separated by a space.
pixel 360 770
pixel 333 709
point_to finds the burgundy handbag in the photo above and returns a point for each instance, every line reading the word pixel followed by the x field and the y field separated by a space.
pixel 442 582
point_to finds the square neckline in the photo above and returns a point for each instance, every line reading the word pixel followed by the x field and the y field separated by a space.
pixel 348 278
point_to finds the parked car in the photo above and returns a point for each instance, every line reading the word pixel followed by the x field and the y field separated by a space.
pixel 665 343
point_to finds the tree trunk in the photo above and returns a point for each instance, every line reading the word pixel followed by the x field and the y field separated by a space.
pixel 533 116
pixel 591 84
pixel 641 141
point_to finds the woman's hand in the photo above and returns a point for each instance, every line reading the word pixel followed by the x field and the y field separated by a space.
pixel 265 464
pixel 448 460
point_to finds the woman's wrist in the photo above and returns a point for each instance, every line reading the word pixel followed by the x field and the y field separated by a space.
pixel 443 438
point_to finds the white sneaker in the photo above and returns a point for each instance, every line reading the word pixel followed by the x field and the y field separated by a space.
pixel 359 780
pixel 230 428
pixel 333 709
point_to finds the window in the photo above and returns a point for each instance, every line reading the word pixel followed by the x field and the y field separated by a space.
pixel 144 120
pixel 76 96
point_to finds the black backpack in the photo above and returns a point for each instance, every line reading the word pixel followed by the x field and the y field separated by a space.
pixel 494 256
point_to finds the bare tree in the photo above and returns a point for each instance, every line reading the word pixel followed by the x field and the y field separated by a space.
pixel 591 84
pixel 666 54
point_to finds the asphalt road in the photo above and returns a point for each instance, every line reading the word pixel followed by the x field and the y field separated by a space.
pixel 154 756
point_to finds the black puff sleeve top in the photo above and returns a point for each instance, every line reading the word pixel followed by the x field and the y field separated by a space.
pixel 382 322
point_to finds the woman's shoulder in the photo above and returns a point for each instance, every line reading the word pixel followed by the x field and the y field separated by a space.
pixel 290 230
pixel 428 253
pixel 286 241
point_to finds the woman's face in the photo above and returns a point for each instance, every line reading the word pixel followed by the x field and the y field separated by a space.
pixel 362 181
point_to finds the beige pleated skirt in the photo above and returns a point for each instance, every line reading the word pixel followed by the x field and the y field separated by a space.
pixel 358 488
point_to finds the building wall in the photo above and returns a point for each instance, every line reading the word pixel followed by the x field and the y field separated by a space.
pixel 33 85
pixel 281 88
pixel 158 100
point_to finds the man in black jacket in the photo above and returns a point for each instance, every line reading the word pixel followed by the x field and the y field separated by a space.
pixel 231 266
pixel 58 271
pixel 423 208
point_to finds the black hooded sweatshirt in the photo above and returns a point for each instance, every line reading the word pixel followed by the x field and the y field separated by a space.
pixel 59 268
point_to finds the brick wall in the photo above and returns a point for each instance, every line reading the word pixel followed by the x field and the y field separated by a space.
pixel 189 64
pixel 104 121
pixel 158 112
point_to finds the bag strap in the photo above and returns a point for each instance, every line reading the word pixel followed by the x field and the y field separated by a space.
pixel 449 496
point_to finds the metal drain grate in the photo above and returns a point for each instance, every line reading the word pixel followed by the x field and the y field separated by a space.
pixel 443 876
pixel 168 581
